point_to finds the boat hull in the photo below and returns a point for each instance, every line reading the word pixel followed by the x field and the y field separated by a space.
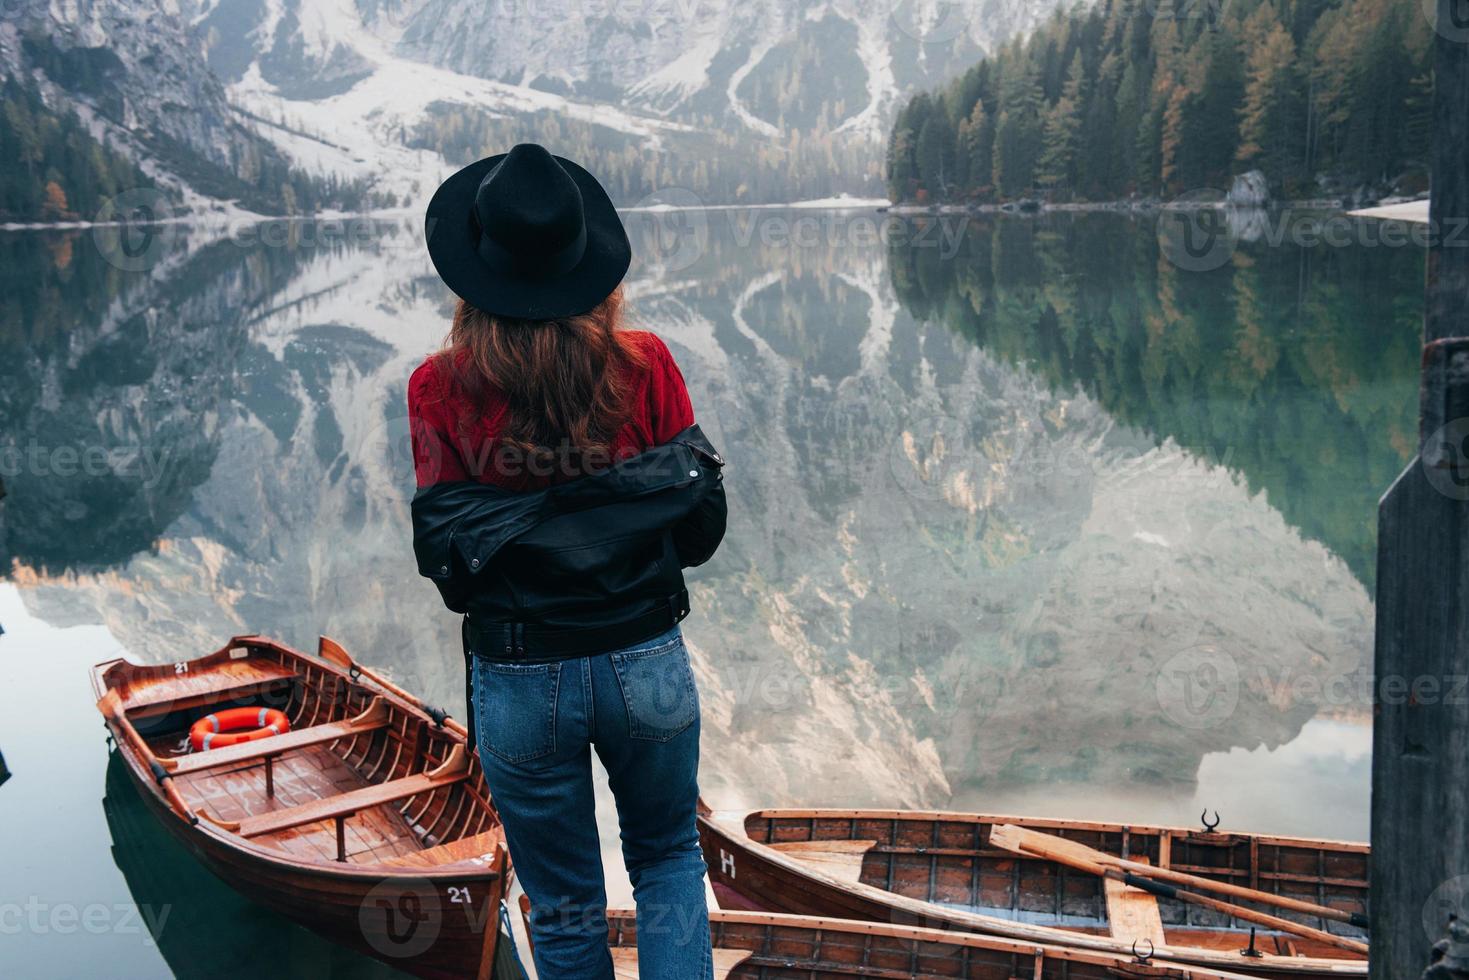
pixel 765 946
pixel 749 874
pixel 428 922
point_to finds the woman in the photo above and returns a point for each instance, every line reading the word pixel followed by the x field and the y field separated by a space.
pixel 563 487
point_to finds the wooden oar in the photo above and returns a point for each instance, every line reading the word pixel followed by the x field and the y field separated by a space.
pixel 332 651
pixel 1083 858
pixel 1022 835
pixel 111 707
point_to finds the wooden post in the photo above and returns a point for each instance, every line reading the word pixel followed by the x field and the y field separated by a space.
pixel 1420 767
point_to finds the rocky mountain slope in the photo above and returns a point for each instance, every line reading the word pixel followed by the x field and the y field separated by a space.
pixel 297 105
pixel 684 88
pixel 135 75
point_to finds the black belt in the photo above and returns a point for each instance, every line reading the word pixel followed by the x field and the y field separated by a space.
pixel 529 643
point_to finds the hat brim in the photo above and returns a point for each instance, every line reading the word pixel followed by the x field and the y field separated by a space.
pixel 452 241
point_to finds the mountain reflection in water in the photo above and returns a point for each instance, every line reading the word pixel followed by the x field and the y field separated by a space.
pixel 1043 513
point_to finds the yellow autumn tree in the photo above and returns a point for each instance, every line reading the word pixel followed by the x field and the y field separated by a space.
pixel 53 204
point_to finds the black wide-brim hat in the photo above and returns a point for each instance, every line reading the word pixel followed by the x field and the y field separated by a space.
pixel 527 235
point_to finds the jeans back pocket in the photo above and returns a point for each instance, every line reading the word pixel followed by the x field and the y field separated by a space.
pixel 658 686
pixel 515 708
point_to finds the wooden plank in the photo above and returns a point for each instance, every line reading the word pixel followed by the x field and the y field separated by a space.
pixel 838 858
pixel 375 717
pixel 1132 914
pixel 479 846
pixel 144 696
pixel 1420 771
pixel 625 962
pixel 455 769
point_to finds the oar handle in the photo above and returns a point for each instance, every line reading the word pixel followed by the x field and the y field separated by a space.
pixel 114 713
pixel 1165 890
pixel 1239 891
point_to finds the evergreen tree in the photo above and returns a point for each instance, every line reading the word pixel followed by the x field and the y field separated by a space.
pixel 1062 140
pixel 935 155
pixel 1271 118
pixel 1018 133
pixel 979 149
pixel 1108 101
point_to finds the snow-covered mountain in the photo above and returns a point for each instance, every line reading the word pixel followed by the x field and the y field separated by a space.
pixel 773 64
pixel 250 101
pixel 134 74
pixel 361 89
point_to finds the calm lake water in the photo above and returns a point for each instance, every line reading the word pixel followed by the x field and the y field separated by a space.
pixel 1027 514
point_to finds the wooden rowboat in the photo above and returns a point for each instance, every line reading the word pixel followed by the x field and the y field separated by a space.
pixel 772 946
pixel 941 870
pixel 368 822
pixel 196 920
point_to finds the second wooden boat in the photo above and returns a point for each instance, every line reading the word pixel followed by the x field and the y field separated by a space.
pixel 368 822
pixel 940 870
pixel 776 946
pixel 772 946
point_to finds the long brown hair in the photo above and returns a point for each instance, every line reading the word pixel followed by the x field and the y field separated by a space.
pixel 565 382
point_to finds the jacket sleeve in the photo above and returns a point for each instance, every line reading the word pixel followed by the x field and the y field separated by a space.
pixel 435 510
pixel 696 537
pixel 697 534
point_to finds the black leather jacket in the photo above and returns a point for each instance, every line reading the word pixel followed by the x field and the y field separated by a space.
pixel 582 567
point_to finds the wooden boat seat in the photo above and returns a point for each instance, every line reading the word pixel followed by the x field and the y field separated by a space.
pixel 1132 914
pixel 625 962
pixel 376 716
pixel 477 847
pixel 842 859
pixel 454 769
pixel 144 697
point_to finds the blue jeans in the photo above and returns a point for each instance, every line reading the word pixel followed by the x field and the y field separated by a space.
pixel 537 724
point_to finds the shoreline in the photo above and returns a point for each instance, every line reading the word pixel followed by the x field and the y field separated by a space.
pixel 246 219
pixel 1142 206
pixel 1023 208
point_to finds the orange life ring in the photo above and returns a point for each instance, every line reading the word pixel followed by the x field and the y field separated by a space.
pixel 235 725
